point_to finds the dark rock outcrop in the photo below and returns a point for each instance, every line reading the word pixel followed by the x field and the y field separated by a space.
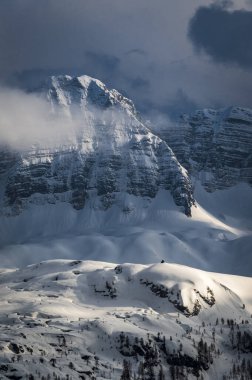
pixel 214 146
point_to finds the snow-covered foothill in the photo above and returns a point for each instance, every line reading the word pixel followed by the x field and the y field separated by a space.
pixel 85 318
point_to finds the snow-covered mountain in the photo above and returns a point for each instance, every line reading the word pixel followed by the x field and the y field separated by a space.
pixel 112 188
pixel 111 157
pixel 93 320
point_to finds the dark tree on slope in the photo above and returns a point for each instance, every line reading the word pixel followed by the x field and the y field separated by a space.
pixel 126 373
pixel 140 372
pixel 149 371
pixel 172 372
pixel 161 375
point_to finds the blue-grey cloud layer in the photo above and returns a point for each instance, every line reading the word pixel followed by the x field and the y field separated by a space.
pixel 139 47
pixel 224 35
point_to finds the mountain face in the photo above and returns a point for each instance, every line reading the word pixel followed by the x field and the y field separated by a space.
pixel 111 188
pixel 110 156
pixel 214 146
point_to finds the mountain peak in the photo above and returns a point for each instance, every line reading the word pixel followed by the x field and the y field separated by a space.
pixel 82 91
pixel 113 158
pixel 83 81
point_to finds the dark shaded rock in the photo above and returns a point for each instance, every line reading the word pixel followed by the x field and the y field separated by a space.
pixel 214 145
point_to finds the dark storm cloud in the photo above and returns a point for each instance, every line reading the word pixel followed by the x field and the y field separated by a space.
pixel 136 51
pixel 98 65
pixel 69 34
pixel 41 35
pixel 103 66
pixel 181 103
pixel 140 82
pixel 223 34
pixel 174 107
pixel 107 62
pixel 139 47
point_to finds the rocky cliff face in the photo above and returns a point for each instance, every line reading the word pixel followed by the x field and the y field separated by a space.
pixel 214 145
pixel 110 156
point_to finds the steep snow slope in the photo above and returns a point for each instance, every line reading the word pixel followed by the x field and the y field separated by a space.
pixel 141 236
pixel 216 238
pixel 77 319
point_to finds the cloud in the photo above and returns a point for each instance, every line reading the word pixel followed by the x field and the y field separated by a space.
pixel 137 52
pixel 140 82
pixel 181 103
pixel 104 62
pixel 139 47
pixel 103 66
pixel 31 121
pixel 27 120
pixel 223 34
pixel 171 109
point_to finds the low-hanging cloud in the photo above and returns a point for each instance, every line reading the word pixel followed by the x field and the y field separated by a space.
pixel 223 34
pixel 31 121
pixel 28 119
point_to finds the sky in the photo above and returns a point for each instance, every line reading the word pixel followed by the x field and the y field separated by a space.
pixel 168 56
